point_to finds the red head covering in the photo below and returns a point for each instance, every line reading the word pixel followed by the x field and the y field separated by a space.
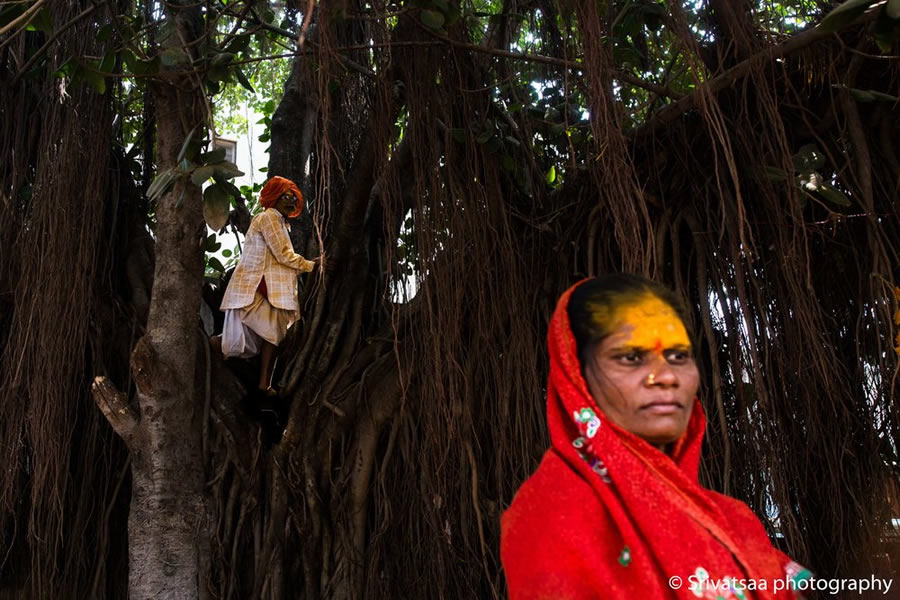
pixel 273 190
pixel 607 515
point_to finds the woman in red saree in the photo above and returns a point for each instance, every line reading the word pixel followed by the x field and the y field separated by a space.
pixel 615 509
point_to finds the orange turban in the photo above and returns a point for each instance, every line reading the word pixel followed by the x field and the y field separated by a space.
pixel 273 190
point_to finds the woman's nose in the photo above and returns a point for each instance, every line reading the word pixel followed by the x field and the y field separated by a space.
pixel 662 373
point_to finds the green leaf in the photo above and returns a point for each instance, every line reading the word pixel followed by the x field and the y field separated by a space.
pixel 222 60
pixel 226 253
pixel 882 97
pixel 105 33
pixel 42 21
pixel 216 204
pixel 214 264
pixel 483 137
pixel 173 57
pixel 88 74
pixel 865 95
pixel 808 158
pixel 66 69
pixel 508 163
pixel 184 146
pixel 238 44
pixel 243 79
pixel 211 157
pixel 151 67
pixel 458 135
pixel 109 62
pixel 229 187
pixel 227 169
pixel 626 55
pixel 885 31
pixel 160 185
pixel 441 5
pixel 129 59
pixel 217 73
pixel 833 195
pixel 432 19
pixel 551 174
pixel 202 174
pixel 844 14
pixel 137 23
pixel 211 244
pixel 774 174
pixel 453 15
pixel 892 9
pixel 654 14
pixel 558 129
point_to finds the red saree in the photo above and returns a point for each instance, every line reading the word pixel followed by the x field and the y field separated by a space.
pixel 607 515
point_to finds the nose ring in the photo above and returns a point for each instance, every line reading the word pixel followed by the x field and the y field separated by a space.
pixel 651 379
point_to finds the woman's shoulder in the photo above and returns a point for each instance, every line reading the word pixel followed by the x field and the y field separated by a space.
pixel 548 531
pixel 555 500
pixel 734 508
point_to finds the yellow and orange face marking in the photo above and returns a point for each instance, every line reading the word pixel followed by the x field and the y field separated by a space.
pixel 654 324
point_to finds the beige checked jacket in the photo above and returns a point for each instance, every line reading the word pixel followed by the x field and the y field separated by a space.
pixel 267 251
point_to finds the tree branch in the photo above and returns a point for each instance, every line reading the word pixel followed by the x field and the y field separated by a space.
pixel 740 70
pixel 52 39
pixel 559 62
pixel 115 407
pixel 24 19
pixel 350 64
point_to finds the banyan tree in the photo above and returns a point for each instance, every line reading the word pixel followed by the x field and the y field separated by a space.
pixel 463 162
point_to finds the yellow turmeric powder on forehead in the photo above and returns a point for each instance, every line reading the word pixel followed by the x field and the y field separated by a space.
pixel 654 324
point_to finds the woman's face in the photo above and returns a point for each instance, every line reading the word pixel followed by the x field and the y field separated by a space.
pixel 643 375
pixel 286 204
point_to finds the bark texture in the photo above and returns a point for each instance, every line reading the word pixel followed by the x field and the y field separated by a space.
pixel 168 520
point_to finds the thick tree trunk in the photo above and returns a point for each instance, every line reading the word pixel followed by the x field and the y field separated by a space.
pixel 293 125
pixel 166 522
pixel 168 539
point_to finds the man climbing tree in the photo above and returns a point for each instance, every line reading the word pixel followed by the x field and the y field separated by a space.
pixel 260 302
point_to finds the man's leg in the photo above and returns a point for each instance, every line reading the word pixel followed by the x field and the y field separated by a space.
pixel 215 342
pixel 267 358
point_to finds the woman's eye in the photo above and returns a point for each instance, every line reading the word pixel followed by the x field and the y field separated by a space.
pixel 630 358
pixel 678 357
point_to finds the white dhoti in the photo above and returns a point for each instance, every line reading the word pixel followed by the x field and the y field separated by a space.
pixel 247 327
